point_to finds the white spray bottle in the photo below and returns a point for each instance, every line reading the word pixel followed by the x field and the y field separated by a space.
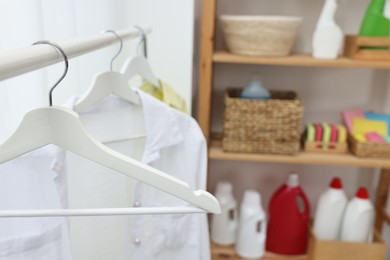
pixel 328 37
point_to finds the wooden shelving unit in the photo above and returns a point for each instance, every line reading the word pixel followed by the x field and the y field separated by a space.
pixel 210 57
pixel 302 60
pixel 216 153
pixel 228 253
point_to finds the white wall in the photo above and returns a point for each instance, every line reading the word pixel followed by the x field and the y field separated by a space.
pixel 326 91
pixel 170 46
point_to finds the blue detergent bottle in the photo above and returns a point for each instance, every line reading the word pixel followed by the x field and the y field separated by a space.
pixel 255 89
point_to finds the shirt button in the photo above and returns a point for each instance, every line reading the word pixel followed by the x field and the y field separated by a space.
pixel 136 203
pixel 137 241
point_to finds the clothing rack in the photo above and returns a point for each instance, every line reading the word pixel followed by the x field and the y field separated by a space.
pixel 19 61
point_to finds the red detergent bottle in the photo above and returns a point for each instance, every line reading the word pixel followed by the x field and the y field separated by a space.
pixel 289 213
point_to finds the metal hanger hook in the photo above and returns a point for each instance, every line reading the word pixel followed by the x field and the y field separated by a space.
pixel 143 41
pixel 58 48
pixel 120 47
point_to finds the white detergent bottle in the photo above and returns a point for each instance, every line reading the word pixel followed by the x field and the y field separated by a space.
pixel 358 218
pixel 224 226
pixel 252 225
pixel 330 211
pixel 328 38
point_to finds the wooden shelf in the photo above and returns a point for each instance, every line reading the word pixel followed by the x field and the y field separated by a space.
pixel 228 253
pixel 216 153
pixel 210 57
pixel 304 60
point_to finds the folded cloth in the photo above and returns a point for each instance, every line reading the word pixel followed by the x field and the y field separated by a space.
pixel 166 94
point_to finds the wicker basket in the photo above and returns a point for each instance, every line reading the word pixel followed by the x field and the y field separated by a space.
pixel 260 35
pixel 262 126
pixel 369 149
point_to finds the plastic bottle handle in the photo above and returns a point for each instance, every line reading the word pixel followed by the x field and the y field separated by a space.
pixel 306 212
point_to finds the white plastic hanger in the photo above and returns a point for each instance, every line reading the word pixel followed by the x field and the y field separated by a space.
pixel 107 83
pixel 138 65
pixel 62 127
pixel 116 83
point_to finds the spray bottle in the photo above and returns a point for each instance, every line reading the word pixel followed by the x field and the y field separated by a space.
pixel 376 19
pixel 328 36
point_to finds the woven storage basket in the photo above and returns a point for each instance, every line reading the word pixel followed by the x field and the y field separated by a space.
pixel 369 149
pixel 260 35
pixel 262 126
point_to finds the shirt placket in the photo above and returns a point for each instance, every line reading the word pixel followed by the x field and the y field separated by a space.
pixel 137 230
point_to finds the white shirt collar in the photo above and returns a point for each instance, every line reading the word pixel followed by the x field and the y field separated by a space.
pixel 161 126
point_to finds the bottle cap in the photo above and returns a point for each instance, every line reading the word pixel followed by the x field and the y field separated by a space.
pixel 362 193
pixel 223 188
pixel 293 180
pixel 251 198
pixel 336 183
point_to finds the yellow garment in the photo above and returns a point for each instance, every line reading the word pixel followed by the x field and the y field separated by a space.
pixel 166 94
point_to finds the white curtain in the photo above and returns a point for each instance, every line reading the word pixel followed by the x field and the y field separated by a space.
pixel 23 22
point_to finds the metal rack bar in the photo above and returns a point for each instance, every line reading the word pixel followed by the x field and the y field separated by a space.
pixel 23 60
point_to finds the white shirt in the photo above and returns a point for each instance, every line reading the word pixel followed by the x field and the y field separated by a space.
pixel 36 180
pixel 174 144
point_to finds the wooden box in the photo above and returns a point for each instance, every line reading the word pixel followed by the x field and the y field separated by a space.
pixel 353 48
pixel 337 250
pixel 228 253
pixel 320 147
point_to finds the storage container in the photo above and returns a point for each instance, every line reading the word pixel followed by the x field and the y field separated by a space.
pixel 369 149
pixel 321 147
pixel 337 250
pixel 272 126
pixel 228 253
pixel 260 35
pixel 367 48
